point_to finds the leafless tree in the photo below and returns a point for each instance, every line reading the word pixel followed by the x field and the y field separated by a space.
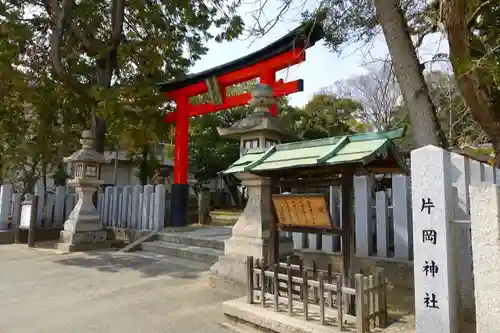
pixel 378 92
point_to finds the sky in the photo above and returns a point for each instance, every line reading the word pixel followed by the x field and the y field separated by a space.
pixel 322 68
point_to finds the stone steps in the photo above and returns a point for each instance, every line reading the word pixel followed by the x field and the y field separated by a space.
pixel 225 216
pixel 202 244
pixel 171 260
pixel 196 253
pixel 212 243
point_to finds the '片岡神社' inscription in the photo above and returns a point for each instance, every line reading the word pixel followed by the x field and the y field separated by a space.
pixel 305 210
pixel 435 268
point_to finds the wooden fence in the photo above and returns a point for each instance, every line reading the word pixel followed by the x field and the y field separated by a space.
pixel 318 295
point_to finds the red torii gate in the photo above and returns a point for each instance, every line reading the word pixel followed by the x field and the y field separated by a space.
pixel 263 64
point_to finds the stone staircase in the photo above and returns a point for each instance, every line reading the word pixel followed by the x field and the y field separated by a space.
pixel 203 244
pixel 225 216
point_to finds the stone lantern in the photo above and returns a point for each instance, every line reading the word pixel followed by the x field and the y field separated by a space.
pixel 259 129
pixel 83 226
pixel 250 236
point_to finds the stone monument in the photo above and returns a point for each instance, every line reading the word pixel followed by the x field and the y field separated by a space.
pixel 436 290
pixel 83 228
pixel 250 235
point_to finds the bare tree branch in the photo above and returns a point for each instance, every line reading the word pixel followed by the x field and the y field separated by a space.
pixel 377 91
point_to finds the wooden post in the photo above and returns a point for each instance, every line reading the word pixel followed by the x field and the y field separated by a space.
pixel 290 289
pixel 289 264
pixel 256 275
pixel 339 302
pixel 315 278
pixel 301 270
pixel 276 286
pixel 366 302
pixel 274 241
pixel 17 235
pixel 347 235
pixel 204 206
pixel 330 280
pixel 262 283
pixel 33 217
pixel 250 279
pixel 360 306
pixel 376 297
pixel 305 296
pixel 382 299
pixel 321 298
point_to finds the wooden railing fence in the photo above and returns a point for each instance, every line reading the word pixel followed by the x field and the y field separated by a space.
pixel 318 295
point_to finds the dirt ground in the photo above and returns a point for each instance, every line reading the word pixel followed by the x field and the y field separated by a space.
pixel 109 292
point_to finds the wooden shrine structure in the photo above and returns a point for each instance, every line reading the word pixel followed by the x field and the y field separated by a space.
pixel 330 161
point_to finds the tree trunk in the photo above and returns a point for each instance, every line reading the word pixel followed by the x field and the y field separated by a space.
pixel 29 183
pixel 144 167
pixel 103 80
pixel 99 132
pixel 474 82
pixel 408 70
pixel 44 180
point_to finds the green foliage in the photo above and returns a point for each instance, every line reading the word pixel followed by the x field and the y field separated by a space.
pixel 105 59
pixel 147 163
pixel 327 115
pixel 346 21
pixel 355 22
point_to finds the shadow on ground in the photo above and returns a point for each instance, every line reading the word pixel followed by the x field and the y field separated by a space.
pixel 115 262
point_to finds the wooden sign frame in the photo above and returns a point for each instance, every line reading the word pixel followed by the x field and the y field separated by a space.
pixel 305 219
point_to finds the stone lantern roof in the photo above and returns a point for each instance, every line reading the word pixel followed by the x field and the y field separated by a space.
pixel 87 152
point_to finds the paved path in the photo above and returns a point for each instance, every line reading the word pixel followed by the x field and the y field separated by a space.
pixel 108 292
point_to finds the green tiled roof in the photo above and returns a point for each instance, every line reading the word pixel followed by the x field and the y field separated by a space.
pixel 358 148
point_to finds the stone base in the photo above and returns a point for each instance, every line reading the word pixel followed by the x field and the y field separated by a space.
pixel 268 320
pixel 230 272
pixel 231 269
pixel 7 236
pixel 227 286
pixel 242 247
pixel 41 235
pixel 126 235
pixel 91 224
pixel 65 247
pixel 83 240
